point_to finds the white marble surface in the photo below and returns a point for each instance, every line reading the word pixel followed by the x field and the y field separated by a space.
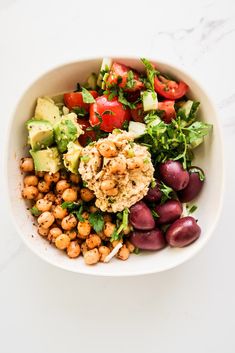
pixel 188 309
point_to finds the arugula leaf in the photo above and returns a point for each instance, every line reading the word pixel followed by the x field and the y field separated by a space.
pixel 151 72
pixel 197 130
pixel 166 191
pixel 87 96
pixel 96 220
pixel 35 211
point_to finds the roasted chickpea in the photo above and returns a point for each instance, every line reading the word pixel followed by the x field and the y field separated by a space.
pixel 75 188
pixel 135 163
pixel 58 199
pixel 54 233
pixel 109 228
pixel 50 197
pixel 107 149
pixel 43 186
pixel 52 177
pixel 30 192
pixel 91 257
pixel 84 229
pixel 117 166
pixel 86 194
pixel 43 205
pixel 69 222
pixel 107 184
pixel 59 212
pixel 73 249
pixel 61 186
pixel 75 178
pixel 39 197
pixel 43 231
pixel 64 174
pixel 40 174
pixel 62 241
pixel 115 243
pixel 70 195
pixel 72 234
pixel 84 248
pixel 93 241
pixel 58 222
pixel 104 251
pixel 93 209
pixel 130 246
pixel 123 253
pixel 26 164
pixel 46 219
pixel 30 180
pixel 112 192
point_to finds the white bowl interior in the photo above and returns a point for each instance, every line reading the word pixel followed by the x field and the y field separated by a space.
pixel 208 156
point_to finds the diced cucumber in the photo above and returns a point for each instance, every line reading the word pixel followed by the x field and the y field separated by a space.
pixel 150 101
pixel 137 129
pixel 196 143
pixel 105 66
pixel 103 84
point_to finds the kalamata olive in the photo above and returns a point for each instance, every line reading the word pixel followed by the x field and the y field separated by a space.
pixel 148 240
pixel 173 175
pixel 154 194
pixel 183 232
pixel 169 211
pixel 196 181
pixel 141 217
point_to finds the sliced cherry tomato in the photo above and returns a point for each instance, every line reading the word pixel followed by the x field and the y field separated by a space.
pixel 169 110
pixel 74 99
pixel 119 76
pixel 109 114
pixel 137 114
pixel 89 135
pixel 169 89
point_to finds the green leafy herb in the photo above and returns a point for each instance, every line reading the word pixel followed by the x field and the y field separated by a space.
pixel 123 223
pixel 153 183
pixel 85 158
pixel 197 130
pixel 199 172
pixel 75 208
pixel 35 211
pixel 125 125
pixel 122 99
pixel 191 115
pixel 108 112
pixel 192 209
pixel 154 213
pixel 130 79
pixel 166 191
pixel 80 111
pixel 151 72
pixel 97 221
pixel 87 96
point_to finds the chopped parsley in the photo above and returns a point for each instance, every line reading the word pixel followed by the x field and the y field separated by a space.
pixel 122 224
pixel 35 211
pixel 87 96
pixel 75 208
pixel 191 209
pixel 96 220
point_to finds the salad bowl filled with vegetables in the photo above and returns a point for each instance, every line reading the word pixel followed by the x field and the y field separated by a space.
pixel 115 167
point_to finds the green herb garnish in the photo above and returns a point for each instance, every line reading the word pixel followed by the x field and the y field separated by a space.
pixel 35 211
pixel 87 96
pixel 96 220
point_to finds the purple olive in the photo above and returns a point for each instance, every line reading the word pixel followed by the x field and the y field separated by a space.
pixel 196 181
pixel 149 240
pixel 154 194
pixel 173 175
pixel 141 217
pixel 169 211
pixel 183 232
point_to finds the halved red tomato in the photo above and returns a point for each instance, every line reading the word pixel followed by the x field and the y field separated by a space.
pixel 124 77
pixel 108 114
pixel 74 99
pixel 169 110
pixel 137 114
pixel 168 88
pixel 89 135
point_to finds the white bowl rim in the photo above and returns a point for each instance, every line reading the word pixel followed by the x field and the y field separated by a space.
pixel 140 272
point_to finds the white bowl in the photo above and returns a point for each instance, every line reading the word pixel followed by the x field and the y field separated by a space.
pixel 209 156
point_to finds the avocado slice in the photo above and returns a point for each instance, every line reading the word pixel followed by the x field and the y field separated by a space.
pixel 47 110
pixel 46 160
pixel 41 134
pixel 67 130
pixel 71 158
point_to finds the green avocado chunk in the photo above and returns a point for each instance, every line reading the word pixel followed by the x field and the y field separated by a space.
pixel 41 134
pixel 71 158
pixel 47 110
pixel 67 130
pixel 47 160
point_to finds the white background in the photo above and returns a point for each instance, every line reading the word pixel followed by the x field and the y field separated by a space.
pixel 188 309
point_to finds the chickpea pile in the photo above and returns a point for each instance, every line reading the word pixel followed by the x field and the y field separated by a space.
pixel 46 193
